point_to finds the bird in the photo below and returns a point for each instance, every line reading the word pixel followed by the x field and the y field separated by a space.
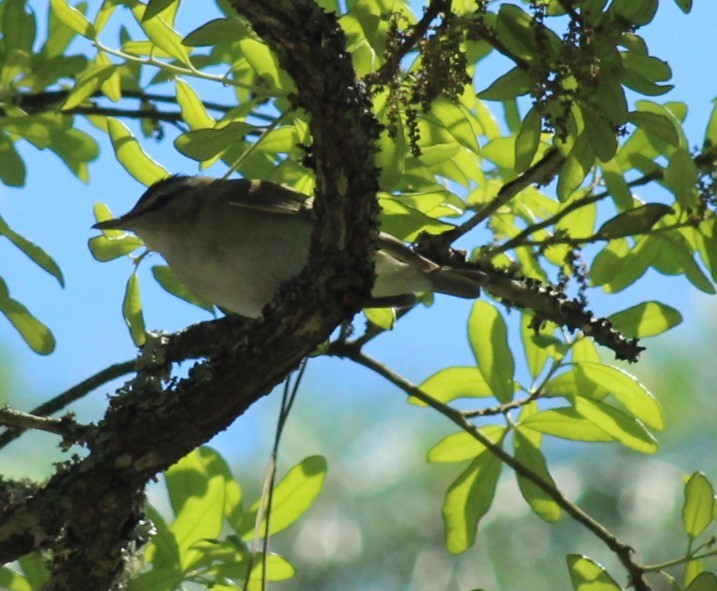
pixel 233 242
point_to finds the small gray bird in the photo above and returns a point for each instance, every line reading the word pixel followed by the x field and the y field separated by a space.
pixel 234 242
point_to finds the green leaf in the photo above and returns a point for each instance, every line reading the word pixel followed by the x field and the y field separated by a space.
pixel 699 506
pixel 681 177
pixel 216 32
pixel 381 317
pixel 205 144
pixel 39 129
pixel 638 12
pixel 609 98
pixel 76 148
pixel 131 156
pixel 196 486
pixel 36 254
pixel 18 27
pixel 596 380
pixel 12 171
pixel 35 568
pixel 527 452
pixel 588 575
pixel 528 140
pixel 576 167
pixel 34 333
pixel 163 550
pixel 73 18
pixel 634 221
pixel 539 346
pixel 292 497
pixel 565 423
pixel 646 319
pixel 703 582
pixel 516 32
pixel 515 82
pixel 488 338
pixel 169 282
pixel 132 311
pixel 623 428
pixel 159 32
pixel 87 84
pixel 656 125
pixel 455 382
pixel 468 498
pixel 193 111
pixel 600 132
pixel 462 446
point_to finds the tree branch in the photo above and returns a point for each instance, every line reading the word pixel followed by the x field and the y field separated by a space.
pixel 65 427
pixel 541 172
pixel 623 551
pixel 88 511
pixel 69 396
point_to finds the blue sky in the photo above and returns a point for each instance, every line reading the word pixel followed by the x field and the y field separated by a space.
pixel 55 210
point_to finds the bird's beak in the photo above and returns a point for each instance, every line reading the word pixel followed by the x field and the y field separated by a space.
pixel 113 224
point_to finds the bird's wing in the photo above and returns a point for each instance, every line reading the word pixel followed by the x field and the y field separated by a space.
pixel 268 197
pixel 399 251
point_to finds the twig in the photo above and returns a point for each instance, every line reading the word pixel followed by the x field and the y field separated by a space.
pixel 501 409
pixel 69 396
pixel 541 172
pixel 65 427
pixel 518 239
pixel 623 551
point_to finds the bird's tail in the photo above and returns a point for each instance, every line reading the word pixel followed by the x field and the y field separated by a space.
pixel 461 283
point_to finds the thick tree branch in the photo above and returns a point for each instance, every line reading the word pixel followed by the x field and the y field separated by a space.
pixel 88 512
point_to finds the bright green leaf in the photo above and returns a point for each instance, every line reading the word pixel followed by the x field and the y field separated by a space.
pixel 34 333
pixel 215 32
pixel 73 18
pixel 193 111
pixel 588 575
pixel 131 156
pixel 462 446
pixel 132 311
pixel 293 495
pixel 488 338
pixel 646 319
pixel 698 508
pixel 381 317
pixel 36 254
pixel 196 486
pixel 455 382
pixel 467 500
pixel 622 427
pixel 565 423
pixel 530 456
pixel 159 32
pixel 205 144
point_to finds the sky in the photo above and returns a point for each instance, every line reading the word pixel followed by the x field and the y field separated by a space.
pixel 54 209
